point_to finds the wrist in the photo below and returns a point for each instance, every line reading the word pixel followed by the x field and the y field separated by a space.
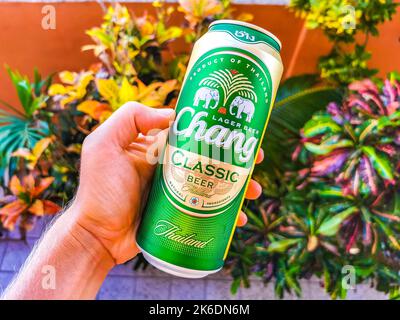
pixel 82 239
pixel 79 264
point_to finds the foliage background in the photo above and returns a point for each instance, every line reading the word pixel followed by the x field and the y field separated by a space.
pixel 333 202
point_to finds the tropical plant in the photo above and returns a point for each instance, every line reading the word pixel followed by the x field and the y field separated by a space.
pixel 297 99
pixel 24 203
pixel 341 21
pixel 334 203
pixel 24 126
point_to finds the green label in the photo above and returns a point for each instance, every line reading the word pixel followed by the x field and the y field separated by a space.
pixel 199 186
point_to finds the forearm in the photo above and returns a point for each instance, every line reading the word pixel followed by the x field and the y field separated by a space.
pixel 68 263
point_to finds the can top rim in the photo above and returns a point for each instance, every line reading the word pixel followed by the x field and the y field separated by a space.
pixel 249 25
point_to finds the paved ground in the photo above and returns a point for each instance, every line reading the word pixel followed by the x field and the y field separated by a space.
pixel 124 283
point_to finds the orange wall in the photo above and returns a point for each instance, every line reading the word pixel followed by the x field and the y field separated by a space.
pixel 24 44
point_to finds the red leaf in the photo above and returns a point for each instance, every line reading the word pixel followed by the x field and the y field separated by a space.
pixel 390 91
pixel 389 216
pixel 331 163
pixel 43 185
pixel 11 212
pixel 363 85
pixel 29 183
pixel 50 207
pixel 368 174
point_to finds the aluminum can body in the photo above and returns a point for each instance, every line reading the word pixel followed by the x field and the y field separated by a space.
pixel 221 117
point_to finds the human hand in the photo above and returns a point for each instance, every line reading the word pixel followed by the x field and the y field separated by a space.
pixel 116 176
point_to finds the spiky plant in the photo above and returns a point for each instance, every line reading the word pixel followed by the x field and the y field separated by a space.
pixel 335 203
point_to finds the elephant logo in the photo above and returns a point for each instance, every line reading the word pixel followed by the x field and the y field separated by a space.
pixel 243 105
pixel 207 95
pixel 232 84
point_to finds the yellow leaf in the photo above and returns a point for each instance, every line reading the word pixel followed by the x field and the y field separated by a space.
pixel 66 100
pixel 98 35
pixel 56 89
pixel 157 4
pixel 132 55
pixel 83 82
pixel 169 34
pixel 37 151
pixel 33 157
pixel 197 10
pixel 170 10
pixel 126 92
pixel 394 241
pixel 145 91
pixel 68 77
pixel 136 42
pixel 40 146
pixel 64 169
pixel 245 17
pixel 15 186
pixel 156 93
pixel 147 28
pixel 88 107
pixel 312 243
pixel 88 47
pixel 94 109
pixel 109 90
pixel 37 208
pixel 166 88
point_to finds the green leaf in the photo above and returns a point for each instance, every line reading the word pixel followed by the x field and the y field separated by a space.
pixel 329 192
pixel 40 85
pixel 389 232
pixel 102 36
pixel 291 111
pixel 320 124
pixel 366 128
pixel 253 218
pixel 281 246
pixel 396 204
pixel 331 226
pixel 326 148
pixel 293 283
pixel 327 278
pixel 16 133
pixel 295 85
pixel 380 162
pixel 235 285
pixel 24 90
pixel 294 111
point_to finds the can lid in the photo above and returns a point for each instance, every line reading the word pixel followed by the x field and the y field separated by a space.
pixel 270 38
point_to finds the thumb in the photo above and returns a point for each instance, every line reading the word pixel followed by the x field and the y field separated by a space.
pixel 125 124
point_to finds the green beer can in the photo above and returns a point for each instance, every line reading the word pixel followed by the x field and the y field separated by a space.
pixel 221 116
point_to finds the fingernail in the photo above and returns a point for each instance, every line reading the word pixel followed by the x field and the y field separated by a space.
pixel 167 112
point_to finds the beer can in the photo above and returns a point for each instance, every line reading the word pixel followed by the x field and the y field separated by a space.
pixel 200 183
